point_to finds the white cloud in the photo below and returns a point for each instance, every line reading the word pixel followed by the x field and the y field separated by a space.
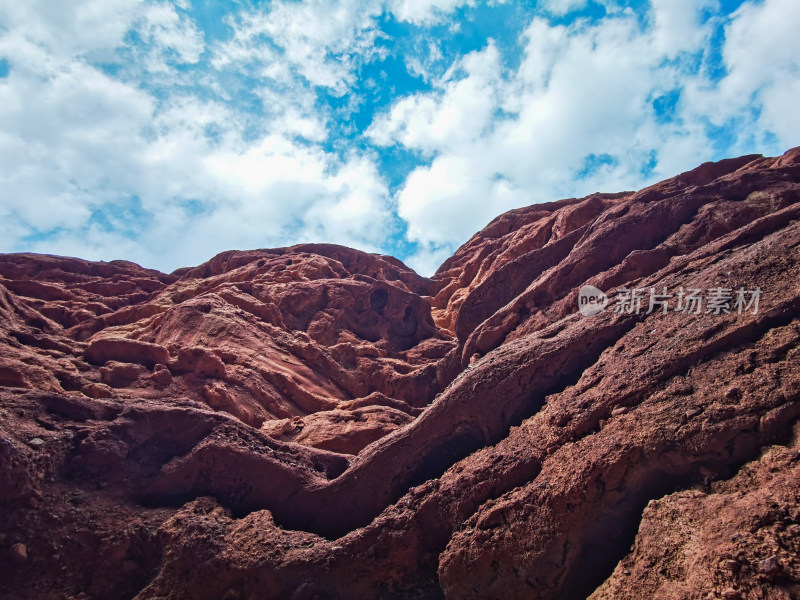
pixel 429 259
pixel 454 197
pixel 457 112
pixel 319 41
pixel 577 91
pixel 62 133
pixel 421 63
pixel 168 36
pixel 562 7
pixel 293 113
pixel 68 29
pixel 265 193
pixel 425 12
pixel 676 25
pixel 762 35
pixel 108 170
pixel 161 159
pixel 582 90
pixel 577 114
pixel 754 99
pixel 762 53
pixel 779 111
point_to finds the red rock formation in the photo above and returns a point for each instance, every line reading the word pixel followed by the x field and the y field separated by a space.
pixel 317 422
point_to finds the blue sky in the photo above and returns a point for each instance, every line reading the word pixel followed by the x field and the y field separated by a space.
pixel 164 132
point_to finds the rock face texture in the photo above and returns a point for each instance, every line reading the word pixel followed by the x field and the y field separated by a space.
pixel 317 422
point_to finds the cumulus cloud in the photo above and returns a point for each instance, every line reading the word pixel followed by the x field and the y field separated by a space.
pixel 97 165
pixel 501 142
pixel 584 111
pixel 127 130
pixel 562 7
pixel 425 12
pixel 90 28
pixel 318 41
pixel 456 112
pixel 168 36
pixel 762 55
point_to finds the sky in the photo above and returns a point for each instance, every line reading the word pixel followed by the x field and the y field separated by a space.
pixel 164 132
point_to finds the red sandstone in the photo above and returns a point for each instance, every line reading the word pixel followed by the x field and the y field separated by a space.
pixel 318 422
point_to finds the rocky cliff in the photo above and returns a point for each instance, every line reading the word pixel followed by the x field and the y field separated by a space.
pixel 317 422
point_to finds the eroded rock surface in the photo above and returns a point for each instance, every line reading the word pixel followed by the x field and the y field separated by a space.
pixel 317 422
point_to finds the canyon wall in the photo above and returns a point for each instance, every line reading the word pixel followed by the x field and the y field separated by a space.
pixel 318 422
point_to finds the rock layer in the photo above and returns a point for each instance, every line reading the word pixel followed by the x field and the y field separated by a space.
pixel 317 422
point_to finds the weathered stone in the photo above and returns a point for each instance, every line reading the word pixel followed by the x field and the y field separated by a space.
pixel 465 435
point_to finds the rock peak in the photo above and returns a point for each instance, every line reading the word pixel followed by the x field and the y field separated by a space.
pixel 320 422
